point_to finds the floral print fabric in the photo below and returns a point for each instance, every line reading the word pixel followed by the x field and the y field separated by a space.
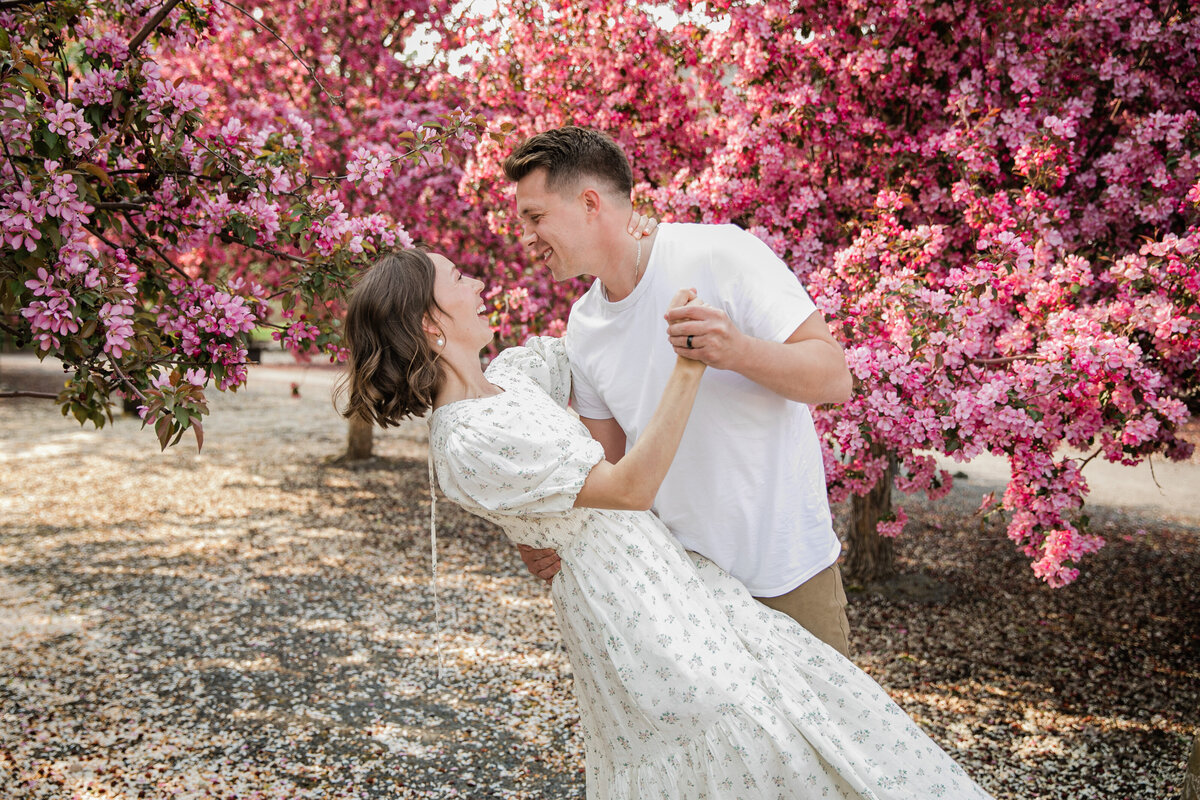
pixel 688 688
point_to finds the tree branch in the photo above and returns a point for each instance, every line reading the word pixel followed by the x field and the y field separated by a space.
pixel 229 165
pixel 120 206
pixel 996 362
pixel 125 378
pixel 181 172
pixel 7 154
pixel 149 27
pixel 138 233
pixel 37 395
pixel 392 30
pixel 92 230
pixel 312 73
pixel 1088 460
pixel 225 237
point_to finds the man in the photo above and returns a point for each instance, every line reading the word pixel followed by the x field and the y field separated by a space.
pixel 747 489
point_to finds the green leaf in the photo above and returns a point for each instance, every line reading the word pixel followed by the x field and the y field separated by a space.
pixel 36 81
pixel 162 429
pixel 97 171
pixel 30 261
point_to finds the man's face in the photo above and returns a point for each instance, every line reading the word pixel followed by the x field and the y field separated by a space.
pixel 553 226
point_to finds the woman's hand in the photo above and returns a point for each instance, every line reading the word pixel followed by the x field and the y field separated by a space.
pixel 640 225
pixel 684 298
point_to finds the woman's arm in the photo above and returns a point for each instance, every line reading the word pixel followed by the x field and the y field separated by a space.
pixel 633 482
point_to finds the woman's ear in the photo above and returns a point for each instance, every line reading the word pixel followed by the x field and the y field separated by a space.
pixel 433 330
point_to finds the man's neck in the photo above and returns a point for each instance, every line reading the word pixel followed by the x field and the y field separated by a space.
pixel 627 267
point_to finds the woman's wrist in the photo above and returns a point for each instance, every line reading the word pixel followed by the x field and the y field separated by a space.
pixel 689 365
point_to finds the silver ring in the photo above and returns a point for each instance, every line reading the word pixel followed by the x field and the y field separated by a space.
pixel 689 341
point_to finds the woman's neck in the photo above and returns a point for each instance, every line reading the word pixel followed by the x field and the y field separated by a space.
pixel 462 379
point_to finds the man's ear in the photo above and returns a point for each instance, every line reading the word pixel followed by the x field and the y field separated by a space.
pixel 591 200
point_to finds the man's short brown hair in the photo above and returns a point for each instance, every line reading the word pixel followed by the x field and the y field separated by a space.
pixel 569 153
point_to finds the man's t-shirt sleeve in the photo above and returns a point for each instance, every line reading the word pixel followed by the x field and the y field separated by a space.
pixel 584 398
pixel 761 295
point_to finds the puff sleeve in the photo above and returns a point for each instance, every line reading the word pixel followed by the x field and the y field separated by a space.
pixel 544 359
pixel 513 465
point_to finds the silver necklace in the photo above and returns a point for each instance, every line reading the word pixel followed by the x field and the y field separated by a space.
pixel 637 263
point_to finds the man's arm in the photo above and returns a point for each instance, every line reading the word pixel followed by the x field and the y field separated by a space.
pixel 609 434
pixel 809 367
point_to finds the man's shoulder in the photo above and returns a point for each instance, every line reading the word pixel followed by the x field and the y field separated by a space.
pixel 684 239
pixel 686 232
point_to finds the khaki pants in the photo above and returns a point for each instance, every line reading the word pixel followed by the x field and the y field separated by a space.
pixel 818 604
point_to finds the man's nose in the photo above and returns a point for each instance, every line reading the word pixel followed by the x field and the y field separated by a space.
pixel 528 237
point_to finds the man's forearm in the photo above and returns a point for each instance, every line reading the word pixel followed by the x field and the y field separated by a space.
pixel 811 371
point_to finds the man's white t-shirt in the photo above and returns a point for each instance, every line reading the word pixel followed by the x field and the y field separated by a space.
pixel 747 488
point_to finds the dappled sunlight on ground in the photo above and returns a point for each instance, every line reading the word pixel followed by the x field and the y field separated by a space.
pixel 257 622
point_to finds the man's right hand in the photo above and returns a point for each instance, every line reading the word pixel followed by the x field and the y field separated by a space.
pixel 542 564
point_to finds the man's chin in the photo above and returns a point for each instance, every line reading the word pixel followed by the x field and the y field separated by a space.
pixel 562 274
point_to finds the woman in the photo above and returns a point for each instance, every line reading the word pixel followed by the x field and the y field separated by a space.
pixel 688 688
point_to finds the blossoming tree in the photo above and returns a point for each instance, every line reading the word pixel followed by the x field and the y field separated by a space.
pixel 256 68
pixel 116 183
pixel 993 203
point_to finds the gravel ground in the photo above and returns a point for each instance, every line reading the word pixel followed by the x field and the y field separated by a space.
pixel 256 622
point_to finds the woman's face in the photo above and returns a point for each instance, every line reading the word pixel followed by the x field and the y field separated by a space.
pixel 464 321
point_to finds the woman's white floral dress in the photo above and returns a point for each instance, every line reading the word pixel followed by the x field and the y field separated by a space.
pixel 687 687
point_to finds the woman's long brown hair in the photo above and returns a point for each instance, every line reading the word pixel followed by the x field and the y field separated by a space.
pixel 393 371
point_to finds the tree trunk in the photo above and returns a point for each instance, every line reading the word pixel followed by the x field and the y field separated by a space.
pixel 360 441
pixel 1191 778
pixel 871 557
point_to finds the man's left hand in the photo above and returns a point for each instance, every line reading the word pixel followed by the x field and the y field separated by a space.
pixel 714 338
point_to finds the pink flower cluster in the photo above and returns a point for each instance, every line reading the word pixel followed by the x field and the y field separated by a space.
pixel 67 120
pixel 96 87
pixel 167 100
pixel 21 211
pixel 210 326
pixel 368 169
pixel 51 313
pixel 299 335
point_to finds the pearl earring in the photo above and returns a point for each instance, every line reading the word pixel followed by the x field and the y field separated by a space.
pixel 440 341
